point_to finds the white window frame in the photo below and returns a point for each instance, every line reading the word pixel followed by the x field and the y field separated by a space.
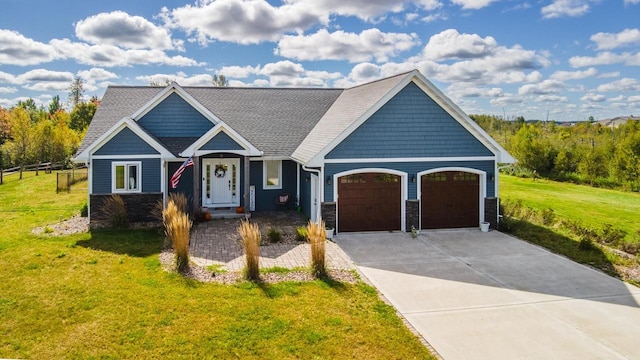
pixel 265 185
pixel 126 165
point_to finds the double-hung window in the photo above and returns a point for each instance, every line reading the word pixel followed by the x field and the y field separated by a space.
pixel 272 174
pixel 126 176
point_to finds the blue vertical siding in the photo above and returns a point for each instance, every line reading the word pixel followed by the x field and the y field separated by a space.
pixel 412 169
pixel 221 141
pixel 126 142
pixel 174 117
pixel 265 199
pixel 411 124
pixel 101 175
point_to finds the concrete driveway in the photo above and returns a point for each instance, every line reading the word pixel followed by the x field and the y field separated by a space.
pixel 475 295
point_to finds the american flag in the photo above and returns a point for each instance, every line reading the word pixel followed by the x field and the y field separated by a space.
pixel 175 179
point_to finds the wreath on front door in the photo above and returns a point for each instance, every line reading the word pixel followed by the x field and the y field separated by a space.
pixel 220 171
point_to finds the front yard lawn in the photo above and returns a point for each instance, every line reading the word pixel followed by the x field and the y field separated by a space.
pixel 104 295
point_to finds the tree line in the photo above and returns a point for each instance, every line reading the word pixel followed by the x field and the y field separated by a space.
pixel 32 134
pixel 584 152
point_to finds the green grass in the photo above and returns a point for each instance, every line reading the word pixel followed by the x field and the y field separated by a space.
pixel 593 207
pixel 104 295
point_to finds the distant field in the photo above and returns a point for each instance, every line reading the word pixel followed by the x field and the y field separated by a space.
pixel 591 206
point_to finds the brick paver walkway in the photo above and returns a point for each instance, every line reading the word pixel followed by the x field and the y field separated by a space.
pixel 217 242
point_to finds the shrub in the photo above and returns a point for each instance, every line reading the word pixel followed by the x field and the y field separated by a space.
pixel 612 236
pixel 317 234
pixel 274 235
pixel 84 210
pixel 180 229
pixel 114 211
pixel 631 248
pixel 301 234
pixel 250 234
pixel 586 244
pixel 548 217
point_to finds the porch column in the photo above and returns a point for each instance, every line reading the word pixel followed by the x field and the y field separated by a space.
pixel 197 175
pixel 245 188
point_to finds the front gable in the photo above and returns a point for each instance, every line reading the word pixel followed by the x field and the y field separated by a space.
pixel 221 138
pixel 221 141
pixel 126 142
pixel 175 117
pixel 410 125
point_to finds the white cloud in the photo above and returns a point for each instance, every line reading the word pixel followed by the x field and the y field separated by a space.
pixel 561 8
pixel 605 58
pixel 591 97
pixel 7 90
pixel 123 30
pixel 16 49
pixel 508 99
pixel 109 55
pixel 484 60
pixel 607 41
pixel 179 77
pixel 96 74
pixel 43 75
pixel 542 88
pixel 239 71
pixel 551 98
pixel 465 91
pixel 574 75
pixel 473 4
pixel 626 84
pixel 434 17
pixel 626 2
pixel 340 45
pixel 450 44
pixel 252 22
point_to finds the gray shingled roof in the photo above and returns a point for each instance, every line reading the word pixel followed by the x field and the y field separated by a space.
pixel 274 120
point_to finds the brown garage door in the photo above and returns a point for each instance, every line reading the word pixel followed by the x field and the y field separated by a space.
pixel 369 202
pixel 450 199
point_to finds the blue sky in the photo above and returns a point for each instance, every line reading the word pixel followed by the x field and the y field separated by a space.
pixel 562 59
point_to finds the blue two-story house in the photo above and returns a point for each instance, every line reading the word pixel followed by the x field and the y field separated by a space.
pixel 389 155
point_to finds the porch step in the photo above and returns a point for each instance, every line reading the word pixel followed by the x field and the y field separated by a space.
pixel 225 214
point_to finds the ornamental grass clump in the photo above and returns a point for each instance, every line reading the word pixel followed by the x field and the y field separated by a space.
pixel 250 234
pixel 316 233
pixel 177 227
pixel 180 229
pixel 114 212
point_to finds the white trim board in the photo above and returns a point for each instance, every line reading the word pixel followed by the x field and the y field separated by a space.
pixel 404 180
pixel 482 184
pixel 120 157
pixel 406 160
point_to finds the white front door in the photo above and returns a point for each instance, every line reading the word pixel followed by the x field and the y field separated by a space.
pixel 220 182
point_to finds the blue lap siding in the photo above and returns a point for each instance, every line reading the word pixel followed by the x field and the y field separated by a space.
pixel 221 141
pixel 265 198
pixel 124 143
pixel 412 169
pixel 174 117
pixel 411 124
pixel 101 175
